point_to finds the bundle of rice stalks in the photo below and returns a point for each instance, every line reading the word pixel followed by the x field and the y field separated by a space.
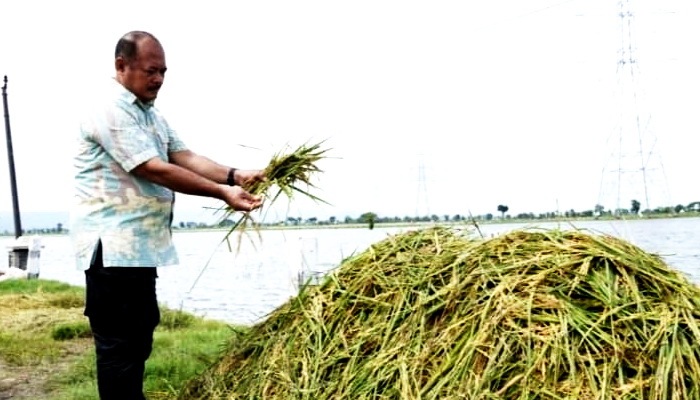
pixel 290 173
pixel 432 314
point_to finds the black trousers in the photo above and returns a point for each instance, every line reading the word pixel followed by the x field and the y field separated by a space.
pixel 123 311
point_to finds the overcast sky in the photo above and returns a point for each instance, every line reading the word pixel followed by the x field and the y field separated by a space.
pixel 428 107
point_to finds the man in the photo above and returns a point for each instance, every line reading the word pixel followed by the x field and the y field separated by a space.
pixel 128 165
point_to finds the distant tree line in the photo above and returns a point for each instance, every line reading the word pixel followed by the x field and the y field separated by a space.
pixel 371 218
pixel 56 230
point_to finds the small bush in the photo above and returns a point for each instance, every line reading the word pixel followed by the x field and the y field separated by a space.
pixel 71 331
pixel 175 319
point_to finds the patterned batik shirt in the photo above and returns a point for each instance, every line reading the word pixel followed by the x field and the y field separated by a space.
pixel 131 216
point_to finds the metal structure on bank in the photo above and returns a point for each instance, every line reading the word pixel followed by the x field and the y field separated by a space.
pixel 11 162
pixel 422 205
pixel 633 168
pixel 24 253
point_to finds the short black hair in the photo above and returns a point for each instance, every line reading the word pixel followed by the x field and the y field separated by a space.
pixel 127 46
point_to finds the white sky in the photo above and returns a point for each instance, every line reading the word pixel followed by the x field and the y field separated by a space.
pixel 429 107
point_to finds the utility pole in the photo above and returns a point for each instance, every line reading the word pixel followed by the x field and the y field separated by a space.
pixel 11 161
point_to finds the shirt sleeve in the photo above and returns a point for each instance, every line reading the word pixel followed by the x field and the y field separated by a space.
pixel 174 142
pixel 125 140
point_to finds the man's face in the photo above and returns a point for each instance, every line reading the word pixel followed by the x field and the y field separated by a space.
pixel 143 76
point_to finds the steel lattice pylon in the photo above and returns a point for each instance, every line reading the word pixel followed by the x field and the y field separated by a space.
pixel 422 206
pixel 633 169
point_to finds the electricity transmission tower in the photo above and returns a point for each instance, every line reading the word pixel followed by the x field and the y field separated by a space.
pixel 422 208
pixel 633 169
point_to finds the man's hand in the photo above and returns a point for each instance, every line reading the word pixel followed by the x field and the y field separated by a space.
pixel 248 177
pixel 239 199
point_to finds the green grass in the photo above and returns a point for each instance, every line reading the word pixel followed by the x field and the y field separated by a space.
pixel 37 286
pixel 178 355
pixel 27 350
pixel 44 333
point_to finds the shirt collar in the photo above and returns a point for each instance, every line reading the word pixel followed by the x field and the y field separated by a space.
pixel 129 97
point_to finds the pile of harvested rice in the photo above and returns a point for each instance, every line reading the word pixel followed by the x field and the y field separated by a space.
pixel 433 314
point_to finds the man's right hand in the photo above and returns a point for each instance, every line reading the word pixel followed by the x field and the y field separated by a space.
pixel 239 199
